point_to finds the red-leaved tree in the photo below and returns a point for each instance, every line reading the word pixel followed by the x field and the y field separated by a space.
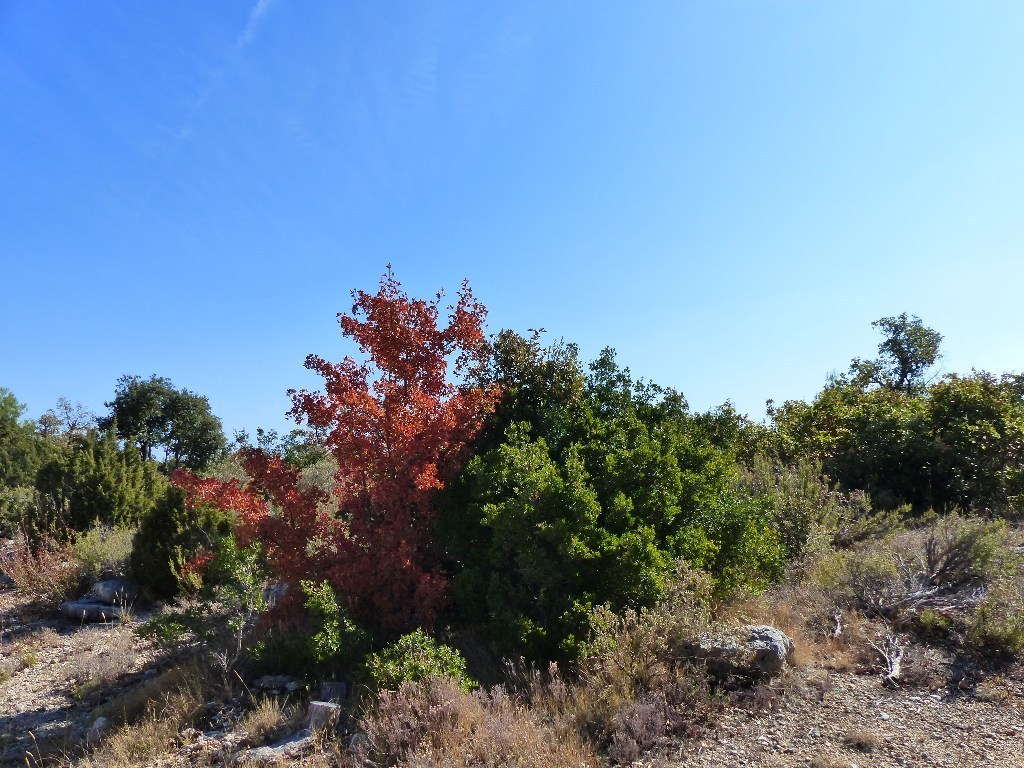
pixel 398 425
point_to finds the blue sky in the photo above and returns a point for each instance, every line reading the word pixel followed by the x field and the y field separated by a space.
pixel 728 193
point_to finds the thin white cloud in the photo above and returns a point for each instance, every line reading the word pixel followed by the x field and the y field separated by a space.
pixel 252 24
pixel 258 11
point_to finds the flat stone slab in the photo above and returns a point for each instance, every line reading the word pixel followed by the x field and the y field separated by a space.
pixel 87 610
pixel 288 749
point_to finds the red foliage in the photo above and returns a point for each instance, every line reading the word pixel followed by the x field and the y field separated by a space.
pixel 197 565
pixel 398 427
pixel 229 495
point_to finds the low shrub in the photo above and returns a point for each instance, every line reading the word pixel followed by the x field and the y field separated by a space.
pixel 633 684
pixel 438 723
pixel 267 719
pixel 414 658
pixel 930 624
pixel 15 503
pixel 104 551
pixel 639 725
pixel 916 569
pixel 998 624
pixel 219 617
pixel 804 505
pixel 862 740
pixel 336 642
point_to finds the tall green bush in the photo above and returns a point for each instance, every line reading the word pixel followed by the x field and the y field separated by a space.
pixel 590 503
pixel 92 479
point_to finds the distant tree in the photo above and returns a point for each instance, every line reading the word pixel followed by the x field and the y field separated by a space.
pixel 908 351
pixel 194 434
pixel 66 419
pixel 139 411
pixel 300 448
pixel 151 413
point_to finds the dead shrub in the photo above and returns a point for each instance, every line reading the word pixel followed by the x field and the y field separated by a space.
pixel 937 566
pixel 639 725
pixel 436 724
pixel 48 574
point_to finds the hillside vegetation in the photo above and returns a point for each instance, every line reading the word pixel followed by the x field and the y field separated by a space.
pixel 509 556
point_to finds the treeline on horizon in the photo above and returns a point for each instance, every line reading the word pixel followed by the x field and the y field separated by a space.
pixel 517 502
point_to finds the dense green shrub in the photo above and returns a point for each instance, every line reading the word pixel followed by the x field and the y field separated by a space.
pixel 335 642
pixel 590 502
pixel 92 479
pixel 169 536
pixel 414 658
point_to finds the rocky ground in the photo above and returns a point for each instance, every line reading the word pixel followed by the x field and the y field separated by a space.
pixel 848 720
pixel 55 673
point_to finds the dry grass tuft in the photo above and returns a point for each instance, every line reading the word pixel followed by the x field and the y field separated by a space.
pixel 151 718
pixel 99 657
pixel 268 719
pixel 862 740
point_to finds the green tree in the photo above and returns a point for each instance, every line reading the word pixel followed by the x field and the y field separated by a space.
pixel 954 443
pixel 194 435
pixel 977 425
pixel 152 414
